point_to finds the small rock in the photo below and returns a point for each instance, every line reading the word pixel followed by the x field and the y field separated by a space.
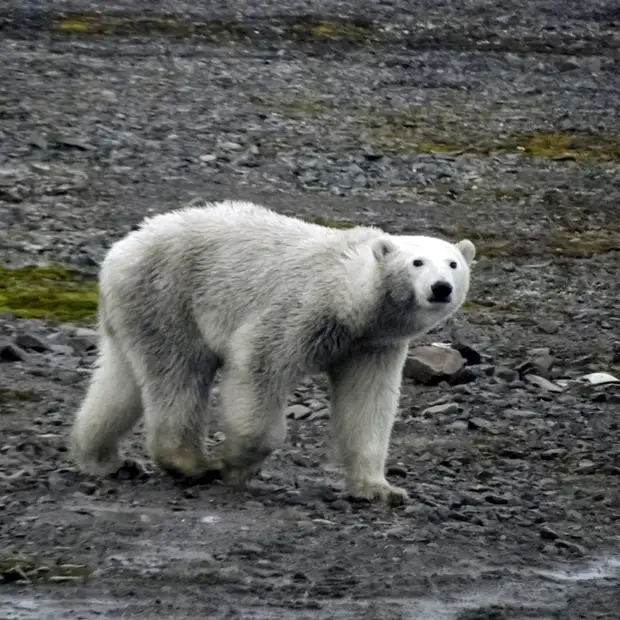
pixel 548 327
pixel 342 505
pixel 68 377
pixel 428 364
pixel 29 341
pixel 298 412
pixel 247 549
pixel 231 146
pixel 552 453
pixel 543 384
pixel 84 340
pixel 587 467
pixel 55 481
pixel 497 500
pixel 445 409
pixel 301 460
pixel 73 142
pixel 471 356
pixel 567 63
pixel 458 425
pixel 88 488
pixel 488 370
pixel 464 376
pixel 478 424
pixel 512 453
pixel 570 546
pixel 62 349
pixel 539 362
pixel 10 352
pixel 599 378
pixel 506 374
pixel 397 470
pixel 321 414
pixel 546 533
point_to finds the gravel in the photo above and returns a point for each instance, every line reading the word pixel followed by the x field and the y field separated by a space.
pixel 418 117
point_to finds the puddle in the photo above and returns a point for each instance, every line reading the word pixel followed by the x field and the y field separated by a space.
pixel 605 568
pixel 523 593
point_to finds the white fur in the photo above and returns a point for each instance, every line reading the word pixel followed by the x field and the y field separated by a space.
pixel 267 299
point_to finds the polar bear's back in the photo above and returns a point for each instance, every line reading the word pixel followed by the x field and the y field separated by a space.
pixel 231 260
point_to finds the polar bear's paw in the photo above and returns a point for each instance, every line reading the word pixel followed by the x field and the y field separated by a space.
pixel 239 477
pixel 377 491
pixel 131 469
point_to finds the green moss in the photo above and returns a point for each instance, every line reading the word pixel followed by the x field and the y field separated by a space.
pixel 342 29
pixel 595 147
pixel 29 568
pixel 294 108
pixel 511 193
pixel 303 28
pixel 410 131
pixel 571 245
pixel 329 223
pixel 52 292
pixel 8 396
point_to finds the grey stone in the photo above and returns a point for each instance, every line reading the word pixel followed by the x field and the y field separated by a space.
pixel 506 374
pixel 298 412
pixel 446 408
pixel 10 352
pixel 32 342
pixel 543 384
pixel 428 364
pixel 539 362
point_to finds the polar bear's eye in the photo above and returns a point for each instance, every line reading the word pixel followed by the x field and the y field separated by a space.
pixel 453 264
pixel 418 262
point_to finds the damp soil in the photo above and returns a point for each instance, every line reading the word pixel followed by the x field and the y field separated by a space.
pixel 449 118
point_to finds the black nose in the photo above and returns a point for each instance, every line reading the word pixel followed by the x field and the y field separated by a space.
pixel 441 291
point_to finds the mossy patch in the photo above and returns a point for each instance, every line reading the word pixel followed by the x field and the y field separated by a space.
pixel 330 223
pixel 10 396
pixel 52 292
pixel 446 132
pixel 565 244
pixel 28 569
pixel 300 28
pixel 291 108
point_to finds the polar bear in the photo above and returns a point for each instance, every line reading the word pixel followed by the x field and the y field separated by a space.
pixel 267 298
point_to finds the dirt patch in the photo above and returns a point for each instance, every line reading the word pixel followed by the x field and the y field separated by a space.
pixel 428 117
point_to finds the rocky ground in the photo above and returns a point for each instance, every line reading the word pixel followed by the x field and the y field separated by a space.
pixel 448 117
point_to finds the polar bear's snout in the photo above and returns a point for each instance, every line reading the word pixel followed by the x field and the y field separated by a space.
pixel 441 292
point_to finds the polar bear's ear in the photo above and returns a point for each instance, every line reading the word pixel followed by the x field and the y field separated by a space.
pixel 382 247
pixel 467 249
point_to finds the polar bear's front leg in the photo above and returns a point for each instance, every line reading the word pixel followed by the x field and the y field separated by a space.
pixel 365 390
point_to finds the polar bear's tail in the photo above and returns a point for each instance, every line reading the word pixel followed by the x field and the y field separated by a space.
pixel 112 406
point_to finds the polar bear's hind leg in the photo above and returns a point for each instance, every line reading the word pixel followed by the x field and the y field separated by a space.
pixel 111 408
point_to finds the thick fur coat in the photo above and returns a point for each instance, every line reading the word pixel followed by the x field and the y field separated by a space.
pixel 266 298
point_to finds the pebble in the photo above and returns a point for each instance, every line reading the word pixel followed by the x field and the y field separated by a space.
pixel 543 384
pixel 10 352
pixel 444 409
pixel 32 342
pixel 298 412
pixel 477 423
pixel 547 533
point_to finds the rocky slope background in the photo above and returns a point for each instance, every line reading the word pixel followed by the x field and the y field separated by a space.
pixel 461 119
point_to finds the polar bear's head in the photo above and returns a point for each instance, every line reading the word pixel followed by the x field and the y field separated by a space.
pixel 427 277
